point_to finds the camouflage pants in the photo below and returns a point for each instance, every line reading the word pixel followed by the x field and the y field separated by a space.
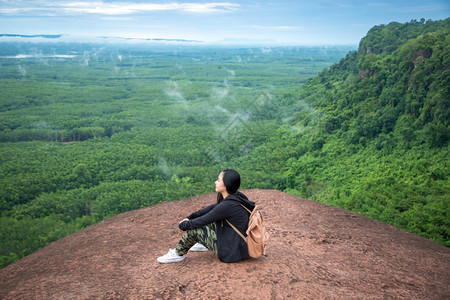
pixel 206 235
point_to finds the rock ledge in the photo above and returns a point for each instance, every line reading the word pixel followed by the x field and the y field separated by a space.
pixel 316 252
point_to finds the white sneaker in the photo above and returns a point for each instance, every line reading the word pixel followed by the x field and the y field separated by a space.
pixel 170 257
pixel 198 248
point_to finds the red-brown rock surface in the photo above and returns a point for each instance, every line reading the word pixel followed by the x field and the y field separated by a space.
pixel 315 252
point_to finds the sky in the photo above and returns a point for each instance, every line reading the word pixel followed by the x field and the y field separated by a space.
pixel 279 22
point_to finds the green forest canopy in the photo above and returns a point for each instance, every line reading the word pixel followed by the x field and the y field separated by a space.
pixel 105 130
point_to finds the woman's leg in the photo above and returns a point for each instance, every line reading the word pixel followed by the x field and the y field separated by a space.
pixel 206 235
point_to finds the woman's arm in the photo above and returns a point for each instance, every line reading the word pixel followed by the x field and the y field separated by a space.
pixel 201 212
pixel 218 212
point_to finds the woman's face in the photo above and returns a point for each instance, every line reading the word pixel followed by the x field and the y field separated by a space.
pixel 220 186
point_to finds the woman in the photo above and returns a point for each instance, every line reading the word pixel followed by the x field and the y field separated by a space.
pixel 209 228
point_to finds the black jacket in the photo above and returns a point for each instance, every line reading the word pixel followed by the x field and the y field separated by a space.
pixel 231 246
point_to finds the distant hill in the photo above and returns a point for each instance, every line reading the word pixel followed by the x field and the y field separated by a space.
pixel 315 252
pixel 90 39
pixel 47 36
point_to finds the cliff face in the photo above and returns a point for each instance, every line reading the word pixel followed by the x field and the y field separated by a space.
pixel 315 251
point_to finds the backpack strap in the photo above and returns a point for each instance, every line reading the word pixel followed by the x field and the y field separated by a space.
pixel 245 207
pixel 232 226
pixel 235 229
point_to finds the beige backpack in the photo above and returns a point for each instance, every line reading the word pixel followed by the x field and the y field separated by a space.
pixel 257 236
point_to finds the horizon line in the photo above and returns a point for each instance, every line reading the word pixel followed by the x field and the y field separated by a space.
pixel 226 42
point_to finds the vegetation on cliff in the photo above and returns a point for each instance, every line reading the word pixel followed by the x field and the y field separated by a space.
pixel 380 145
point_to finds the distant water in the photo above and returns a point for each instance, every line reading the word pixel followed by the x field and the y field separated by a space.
pixel 39 56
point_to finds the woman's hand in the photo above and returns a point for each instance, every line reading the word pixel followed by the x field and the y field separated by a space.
pixel 185 219
pixel 184 224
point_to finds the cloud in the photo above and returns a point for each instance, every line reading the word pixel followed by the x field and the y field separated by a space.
pixel 114 8
pixel 276 27
pixel 113 18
